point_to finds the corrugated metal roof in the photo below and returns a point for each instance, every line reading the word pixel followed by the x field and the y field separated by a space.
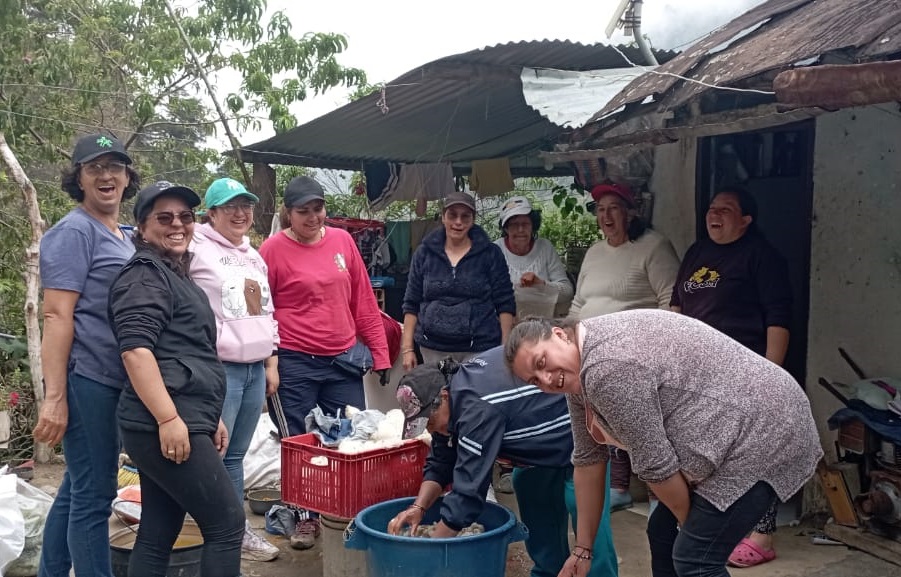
pixel 571 97
pixel 773 36
pixel 459 108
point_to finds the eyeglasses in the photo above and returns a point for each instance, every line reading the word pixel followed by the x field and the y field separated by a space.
pixel 96 169
pixel 233 207
pixel 167 218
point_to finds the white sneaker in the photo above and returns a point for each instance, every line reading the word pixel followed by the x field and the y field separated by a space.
pixel 255 548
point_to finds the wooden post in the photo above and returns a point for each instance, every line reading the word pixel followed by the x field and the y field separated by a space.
pixel 264 187
pixel 32 280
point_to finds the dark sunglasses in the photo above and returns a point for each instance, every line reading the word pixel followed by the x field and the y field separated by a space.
pixel 167 218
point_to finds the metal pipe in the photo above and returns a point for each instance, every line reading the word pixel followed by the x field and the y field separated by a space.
pixel 636 33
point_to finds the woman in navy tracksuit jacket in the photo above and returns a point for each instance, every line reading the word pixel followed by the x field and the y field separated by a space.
pixel 459 299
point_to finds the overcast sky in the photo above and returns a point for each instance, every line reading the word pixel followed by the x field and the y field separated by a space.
pixel 389 37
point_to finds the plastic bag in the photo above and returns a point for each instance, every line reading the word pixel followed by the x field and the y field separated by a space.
pixel 34 505
pixel 262 461
pixel 12 525
pixel 537 301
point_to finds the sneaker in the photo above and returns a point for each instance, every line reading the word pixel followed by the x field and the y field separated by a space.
pixel 504 483
pixel 255 548
pixel 620 500
pixel 305 535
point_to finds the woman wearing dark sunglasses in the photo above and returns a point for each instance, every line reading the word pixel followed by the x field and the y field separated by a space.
pixel 169 412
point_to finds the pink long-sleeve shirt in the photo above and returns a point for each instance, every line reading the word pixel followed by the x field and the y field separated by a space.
pixel 323 297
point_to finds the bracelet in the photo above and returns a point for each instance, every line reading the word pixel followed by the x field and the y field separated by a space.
pixel 583 555
pixel 169 420
pixel 405 351
pixel 415 506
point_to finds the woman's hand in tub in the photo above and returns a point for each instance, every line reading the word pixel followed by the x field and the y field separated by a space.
pixel 411 516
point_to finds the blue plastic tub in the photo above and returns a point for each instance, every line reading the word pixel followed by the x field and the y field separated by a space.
pixel 482 555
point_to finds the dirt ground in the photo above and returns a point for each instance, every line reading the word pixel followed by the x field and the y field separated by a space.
pixel 797 556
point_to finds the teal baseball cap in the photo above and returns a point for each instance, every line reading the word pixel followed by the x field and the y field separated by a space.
pixel 223 190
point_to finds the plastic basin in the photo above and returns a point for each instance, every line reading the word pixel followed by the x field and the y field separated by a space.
pixel 387 555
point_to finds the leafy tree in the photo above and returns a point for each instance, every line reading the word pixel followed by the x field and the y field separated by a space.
pixel 72 67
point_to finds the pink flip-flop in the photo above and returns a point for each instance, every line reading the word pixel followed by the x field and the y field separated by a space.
pixel 749 554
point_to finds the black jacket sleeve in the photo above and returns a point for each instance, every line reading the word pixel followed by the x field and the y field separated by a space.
pixel 439 465
pixel 140 305
pixel 478 434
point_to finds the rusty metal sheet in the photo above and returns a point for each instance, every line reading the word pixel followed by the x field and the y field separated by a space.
pixel 812 30
pixel 684 63
pixel 794 31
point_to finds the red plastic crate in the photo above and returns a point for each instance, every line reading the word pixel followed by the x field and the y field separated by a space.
pixel 348 483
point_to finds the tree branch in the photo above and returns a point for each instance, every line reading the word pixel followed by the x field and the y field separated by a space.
pixel 236 146
pixel 41 140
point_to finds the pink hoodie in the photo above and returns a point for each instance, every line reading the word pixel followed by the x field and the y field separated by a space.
pixel 234 279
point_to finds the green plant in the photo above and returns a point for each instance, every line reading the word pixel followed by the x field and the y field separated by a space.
pixel 17 398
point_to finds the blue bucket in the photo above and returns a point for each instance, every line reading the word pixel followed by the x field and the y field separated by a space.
pixel 387 555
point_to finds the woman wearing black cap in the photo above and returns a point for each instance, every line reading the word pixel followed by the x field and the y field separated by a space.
pixel 83 374
pixel 169 411
pixel 323 300
pixel 459 298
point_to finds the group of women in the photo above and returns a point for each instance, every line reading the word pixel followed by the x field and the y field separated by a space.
pixel 173 334
pixel 166 338
pixel 698 405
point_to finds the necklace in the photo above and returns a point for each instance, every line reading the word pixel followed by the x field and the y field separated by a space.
pixel 293 236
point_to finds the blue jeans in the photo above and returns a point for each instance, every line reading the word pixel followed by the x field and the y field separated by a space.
pixel 244 397
pixel 77 530
pixel 547 501
pixel 703 544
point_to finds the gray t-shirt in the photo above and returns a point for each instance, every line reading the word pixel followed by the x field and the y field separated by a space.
pixel 680 396
pixel 80 254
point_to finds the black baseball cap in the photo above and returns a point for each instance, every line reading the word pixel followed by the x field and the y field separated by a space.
pixel 148 195
pixel 90 147
pixel 459 197
pixel 419 394
pixel 301 190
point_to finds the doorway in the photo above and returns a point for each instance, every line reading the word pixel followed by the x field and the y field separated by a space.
pixel 776 167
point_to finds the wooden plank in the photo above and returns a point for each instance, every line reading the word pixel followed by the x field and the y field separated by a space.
pixel 875 545
pixel 837 494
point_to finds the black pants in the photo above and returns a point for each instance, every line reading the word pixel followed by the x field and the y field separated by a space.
pixel 199 486
pixel 701 547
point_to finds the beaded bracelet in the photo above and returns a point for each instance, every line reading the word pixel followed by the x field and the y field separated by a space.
pixel 584 555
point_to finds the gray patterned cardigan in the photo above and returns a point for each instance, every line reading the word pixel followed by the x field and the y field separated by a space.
pixel 681 396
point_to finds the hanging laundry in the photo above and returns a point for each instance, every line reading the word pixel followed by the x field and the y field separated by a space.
pixel 432 181
pixel 381 177
pixel 491 177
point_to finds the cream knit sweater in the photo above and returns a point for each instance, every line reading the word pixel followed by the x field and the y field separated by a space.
pixel 634 275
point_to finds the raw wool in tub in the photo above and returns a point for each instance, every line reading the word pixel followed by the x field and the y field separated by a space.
pixel 425 531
